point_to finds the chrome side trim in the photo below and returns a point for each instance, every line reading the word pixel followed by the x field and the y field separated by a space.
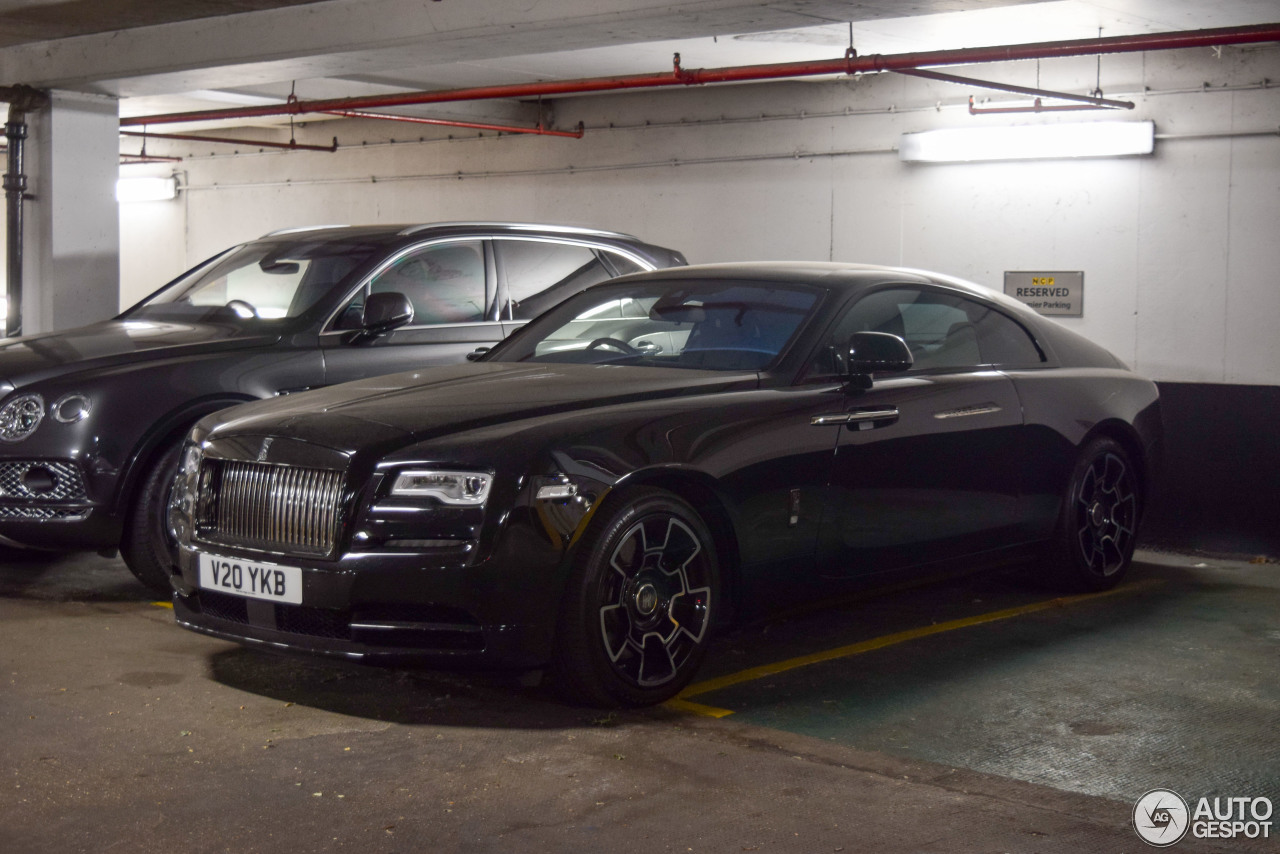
pixel 966 411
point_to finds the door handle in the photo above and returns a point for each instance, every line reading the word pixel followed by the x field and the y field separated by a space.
pixel 864 418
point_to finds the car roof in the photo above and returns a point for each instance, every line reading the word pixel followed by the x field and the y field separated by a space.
pixel 832 275
pixel 391 232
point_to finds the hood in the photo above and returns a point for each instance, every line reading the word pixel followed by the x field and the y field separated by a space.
pixel 419 405
pixel 112 343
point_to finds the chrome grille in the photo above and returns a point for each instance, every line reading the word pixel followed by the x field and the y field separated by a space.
pixel 68 483
pixel 37 513
pixel 277 508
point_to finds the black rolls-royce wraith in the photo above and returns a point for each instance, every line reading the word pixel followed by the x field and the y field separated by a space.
pixel 91 419
pixel 654 457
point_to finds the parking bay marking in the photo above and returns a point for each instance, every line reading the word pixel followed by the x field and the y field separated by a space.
pixel 683 704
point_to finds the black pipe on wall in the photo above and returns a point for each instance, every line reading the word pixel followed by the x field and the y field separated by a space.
pixel 21 99
pixel 15 188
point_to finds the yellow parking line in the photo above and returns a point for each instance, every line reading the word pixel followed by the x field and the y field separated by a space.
pixel 162 605
pixel 697 708
pixel 681 702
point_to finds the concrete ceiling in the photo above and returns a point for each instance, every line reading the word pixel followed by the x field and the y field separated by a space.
pixel 170 55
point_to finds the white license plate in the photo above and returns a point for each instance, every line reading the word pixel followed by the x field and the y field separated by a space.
pixel 250 578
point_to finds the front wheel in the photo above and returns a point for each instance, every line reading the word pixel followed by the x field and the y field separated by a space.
pixel 636 617
pixel 1098 527
pixel 148 547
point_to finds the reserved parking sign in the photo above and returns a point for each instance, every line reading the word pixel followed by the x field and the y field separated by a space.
pixel 1058 293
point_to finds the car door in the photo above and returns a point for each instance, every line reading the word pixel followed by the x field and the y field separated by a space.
pixel 929 464
pixel 451 285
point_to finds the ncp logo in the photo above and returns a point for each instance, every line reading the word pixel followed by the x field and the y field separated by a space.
pixel 1161 818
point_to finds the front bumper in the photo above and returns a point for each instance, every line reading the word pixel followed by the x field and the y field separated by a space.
pixel 44 504
pixel 386 608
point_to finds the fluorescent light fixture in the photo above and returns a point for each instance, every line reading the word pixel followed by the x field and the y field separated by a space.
pixel 1029 142
pixel 146 189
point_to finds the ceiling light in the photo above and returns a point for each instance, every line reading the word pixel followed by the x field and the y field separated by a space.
pixel 1029 142
pixel 146 189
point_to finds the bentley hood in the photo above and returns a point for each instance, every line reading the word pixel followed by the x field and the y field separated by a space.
pixel 112 343
pixel 418 405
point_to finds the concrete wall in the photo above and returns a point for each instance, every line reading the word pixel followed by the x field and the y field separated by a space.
pixel 1179 249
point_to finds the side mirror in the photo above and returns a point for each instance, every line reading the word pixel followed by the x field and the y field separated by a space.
pixel 874 352
pixel 384 312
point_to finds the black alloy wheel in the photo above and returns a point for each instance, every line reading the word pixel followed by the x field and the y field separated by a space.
pixel 148 548
pixel 1099 524
pixel 636 618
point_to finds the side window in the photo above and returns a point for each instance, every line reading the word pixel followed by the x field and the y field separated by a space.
pixel 1003 341
pixel 942 331
pixel 444 282
pixel 939 332
pixel 621 263
pixel 541 273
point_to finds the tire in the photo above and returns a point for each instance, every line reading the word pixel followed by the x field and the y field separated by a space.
pixel 1097 530
pixel 636 617
pixel 148 548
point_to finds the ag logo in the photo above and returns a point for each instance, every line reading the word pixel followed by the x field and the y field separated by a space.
pixel 1161 817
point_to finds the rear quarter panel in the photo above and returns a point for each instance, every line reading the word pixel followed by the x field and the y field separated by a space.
pixel 1063 408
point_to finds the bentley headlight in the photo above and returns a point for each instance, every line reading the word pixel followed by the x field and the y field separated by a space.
pixel 20 417
pixel 465 488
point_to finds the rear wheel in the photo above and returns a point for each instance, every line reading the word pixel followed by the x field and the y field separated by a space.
pixel 1098 527
pixel 148 547
pixel 636 618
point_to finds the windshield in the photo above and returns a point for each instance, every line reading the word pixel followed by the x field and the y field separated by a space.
pixel 715 325
pixel 268 281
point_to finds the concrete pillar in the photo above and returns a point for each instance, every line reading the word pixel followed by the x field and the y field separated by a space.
pixel 72 240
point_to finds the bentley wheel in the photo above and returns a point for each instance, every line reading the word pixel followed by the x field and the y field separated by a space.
pixel 148 547
pixel 636 618
pixel 1098 528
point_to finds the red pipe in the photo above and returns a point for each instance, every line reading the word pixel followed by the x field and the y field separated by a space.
pixel 539 130
pixel 849 64
pixel 191 137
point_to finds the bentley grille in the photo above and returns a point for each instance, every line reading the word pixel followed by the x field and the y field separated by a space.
pixel 272 507
pixel 49 481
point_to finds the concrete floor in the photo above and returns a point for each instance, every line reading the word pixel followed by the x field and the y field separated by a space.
pixel 1035 732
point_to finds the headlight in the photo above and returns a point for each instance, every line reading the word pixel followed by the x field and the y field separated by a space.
pixel 20 417
pixel 467 488
pixel 190 460
pixel 184 494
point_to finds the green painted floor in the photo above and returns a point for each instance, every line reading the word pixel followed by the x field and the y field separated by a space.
pixel 1171 682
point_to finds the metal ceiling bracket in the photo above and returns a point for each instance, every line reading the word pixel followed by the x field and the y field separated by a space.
pixel 1092 101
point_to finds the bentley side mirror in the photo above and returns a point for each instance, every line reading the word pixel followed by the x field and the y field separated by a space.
pixel 868 353
pixel 384 312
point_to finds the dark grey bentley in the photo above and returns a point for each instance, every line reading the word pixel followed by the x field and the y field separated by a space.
pixel 91 419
